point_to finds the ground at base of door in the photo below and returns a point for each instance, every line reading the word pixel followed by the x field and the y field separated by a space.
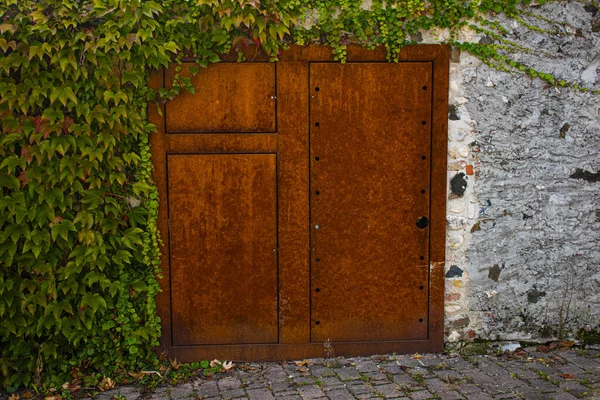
pixel 525 374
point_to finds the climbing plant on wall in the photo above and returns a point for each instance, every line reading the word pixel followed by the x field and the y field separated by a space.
pixel 78 241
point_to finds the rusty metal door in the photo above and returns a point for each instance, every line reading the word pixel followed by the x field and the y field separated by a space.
pixel 303 202
pixel 370 133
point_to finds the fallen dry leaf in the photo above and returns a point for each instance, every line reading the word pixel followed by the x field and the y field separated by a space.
pixel 542 348
pixel 14 396
pixel 417 356
pixel 135 375
pixel 302 363
pixel 566 376
pixel 53 397
pixel 227 365
pixel 215 363
pixel 175 364
pixel 302 369
pixel 163 356
pixel 27 395
pixel 566 344
pixel 106 384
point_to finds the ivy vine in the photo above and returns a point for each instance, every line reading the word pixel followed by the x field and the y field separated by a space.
pixel 79 247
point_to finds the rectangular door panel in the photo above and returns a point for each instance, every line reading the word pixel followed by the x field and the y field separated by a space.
pixel 223 240
pixel 370 145
pixel 229 97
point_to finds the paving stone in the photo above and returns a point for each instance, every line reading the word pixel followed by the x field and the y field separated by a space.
pixel 533 395
pixel 375 376
pixel 340 394
pixel 159 393
pixel 260 394
pixel 275 373
pixel 420 395
pixel 256 383
pixel 543 385
pixel 305 380
pixel 360 388
pixel 429 360
pixel 347 373
pixel 233 394
pixel 389 390
pixel 331 383
pixel 585 363
pixel 408 361
pixel 321 371
pixel 424 372
pixel 185 391
pixel 229 383
pixel 282 387
pixel 365 396
pixel 208 389
pixel 442 389
pixel 286 393
pixel 563 396
pixel 469 389
pixel 366 366
pixel 449 375
pixel 129 392
pixel 310 392
pixel 108 395
pixel 479 396
pixel 574 388
pixel 391 368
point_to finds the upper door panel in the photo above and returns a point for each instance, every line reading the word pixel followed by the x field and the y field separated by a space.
pixel 228 98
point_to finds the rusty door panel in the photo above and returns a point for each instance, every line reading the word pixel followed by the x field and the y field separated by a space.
pixel 223 237
pixel 370 143
pixel 229 97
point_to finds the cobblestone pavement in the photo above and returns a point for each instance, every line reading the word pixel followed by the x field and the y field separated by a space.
pixel 528 374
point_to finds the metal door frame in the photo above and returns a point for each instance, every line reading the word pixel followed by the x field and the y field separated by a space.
pixel 290 143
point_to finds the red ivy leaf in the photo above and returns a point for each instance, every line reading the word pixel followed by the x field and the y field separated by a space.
pixel 25 154
pixel 23 178
pixel 66 124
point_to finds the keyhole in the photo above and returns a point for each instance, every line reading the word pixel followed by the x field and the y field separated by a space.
pixel 317 158
pixel 317 290
pixel 424 122
pixel 317 89
pixel 422 222
pixel 421 258
pixel 317 193
pixel 424 87
pixel 317 124
pixel 317 259
pixel 318 322
pixel 421 287
pixel 420 319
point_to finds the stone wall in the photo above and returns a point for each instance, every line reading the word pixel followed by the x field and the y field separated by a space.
pixel 523 248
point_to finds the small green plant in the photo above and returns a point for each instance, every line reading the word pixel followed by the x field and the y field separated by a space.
pixel 418 378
